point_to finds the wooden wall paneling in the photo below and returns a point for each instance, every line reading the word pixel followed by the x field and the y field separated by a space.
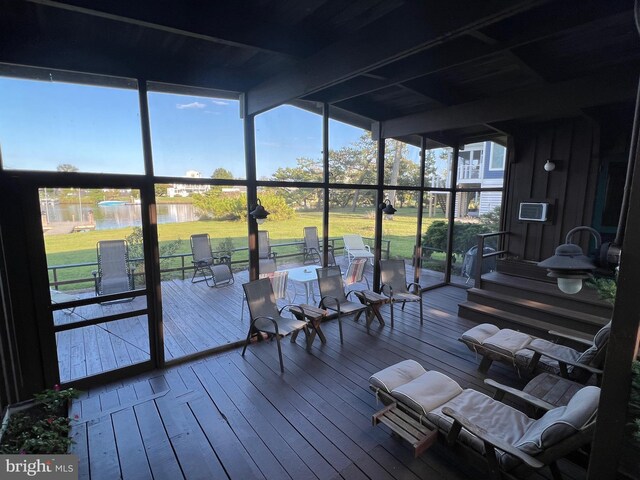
pixel 592 184
pixel 539 179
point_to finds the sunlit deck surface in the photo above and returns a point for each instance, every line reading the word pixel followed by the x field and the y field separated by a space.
pixel 225 416
pixel 195 318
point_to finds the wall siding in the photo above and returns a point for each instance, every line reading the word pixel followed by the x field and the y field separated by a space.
pixel 570 188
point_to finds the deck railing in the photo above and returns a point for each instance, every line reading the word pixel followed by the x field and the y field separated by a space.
pixel 186 264
pixel 480 255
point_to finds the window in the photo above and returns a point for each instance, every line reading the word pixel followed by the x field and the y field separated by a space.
pixel 289 145
pixel 70 127
pixel 498 154
pixel 196 137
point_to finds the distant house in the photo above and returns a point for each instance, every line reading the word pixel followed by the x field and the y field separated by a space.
pixel 187 189
pixel 481 166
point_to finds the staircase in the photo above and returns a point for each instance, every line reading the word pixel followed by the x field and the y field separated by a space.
pixel 510 298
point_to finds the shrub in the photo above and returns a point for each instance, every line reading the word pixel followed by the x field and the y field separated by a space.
pixel 221 206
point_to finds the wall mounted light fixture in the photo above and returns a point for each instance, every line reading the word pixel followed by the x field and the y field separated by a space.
pixel 259 213
pixel 550 166
pixel 387 208
pixel 570 266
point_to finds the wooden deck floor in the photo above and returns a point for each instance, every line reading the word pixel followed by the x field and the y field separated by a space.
pixel 228 416
pixel 195 318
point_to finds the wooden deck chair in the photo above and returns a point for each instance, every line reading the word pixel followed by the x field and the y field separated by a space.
pixel 355 272
pixel 312 250
pixel 333 297
pixel 486 431
pixel 393 279
pixel 114 274
pixel 278 283
pixel 533 355
pixel 354 247
pixel 265 316
pixel 214 269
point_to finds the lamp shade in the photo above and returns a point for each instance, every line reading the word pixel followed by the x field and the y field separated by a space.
pixel 570 266
pixel 387 208
pixel 259 213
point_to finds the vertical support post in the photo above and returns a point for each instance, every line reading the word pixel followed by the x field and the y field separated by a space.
pixel 325 190
pixel 479 253
pixel 252 192
pixel 452 213
pixel 417 262
pixel 379 200
pixel 150 236
pixel 623 345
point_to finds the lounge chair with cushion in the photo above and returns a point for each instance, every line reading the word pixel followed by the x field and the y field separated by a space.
pixel 393 279
pixel 534 355
pixel 354 247
pixel 214 269
pixel 355 272
pixel 509 442
pixel 114 273
pixel 312 250
pixel 333 297
pixel 265 316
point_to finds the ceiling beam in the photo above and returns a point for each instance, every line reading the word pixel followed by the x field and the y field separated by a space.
pixel 184 25
pixel 442 59
pixel 404 32
pixel 555 100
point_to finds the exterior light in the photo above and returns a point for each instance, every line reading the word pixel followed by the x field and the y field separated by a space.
pixel 569 264
pixel 259 213
pixel 387 208
pixel 549 166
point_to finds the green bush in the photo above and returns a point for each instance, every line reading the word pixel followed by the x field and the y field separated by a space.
pixel 464 235
pixel 217 205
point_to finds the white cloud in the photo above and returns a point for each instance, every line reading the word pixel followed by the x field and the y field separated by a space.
pixel 219 102
pixel 182 106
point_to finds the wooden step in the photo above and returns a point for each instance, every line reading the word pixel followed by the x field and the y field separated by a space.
pixel 502 319
pixel 568 318
pixel 586 301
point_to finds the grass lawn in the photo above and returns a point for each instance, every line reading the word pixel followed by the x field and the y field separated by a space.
pixel 81 247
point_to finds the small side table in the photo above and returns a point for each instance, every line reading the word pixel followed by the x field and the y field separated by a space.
pixel 552 389
pixel 314 315
pixel 374 301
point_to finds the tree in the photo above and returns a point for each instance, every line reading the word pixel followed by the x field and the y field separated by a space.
pixel 67 167
pixel 222 174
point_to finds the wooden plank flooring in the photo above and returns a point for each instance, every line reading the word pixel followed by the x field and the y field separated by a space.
pixel 228 416
pixel 195 318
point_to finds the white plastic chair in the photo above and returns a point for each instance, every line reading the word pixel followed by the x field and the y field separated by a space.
pixel 354 247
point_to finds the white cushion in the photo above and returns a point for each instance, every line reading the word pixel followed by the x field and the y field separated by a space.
pixel 479 333
pixel 507 341
pixel 561 422
pixel 428 391
pixel 396 375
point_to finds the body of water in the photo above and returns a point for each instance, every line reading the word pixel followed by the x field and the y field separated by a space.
pixel 117 216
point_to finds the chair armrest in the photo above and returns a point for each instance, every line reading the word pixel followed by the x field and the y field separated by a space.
pixel 417 285
pixel 530 399
pixel 382 287
pixel 94 273
pixel 486 437
pixel 330 297
pixel 275 324
pixel 584 341
pixel 564 361
pixel 367 248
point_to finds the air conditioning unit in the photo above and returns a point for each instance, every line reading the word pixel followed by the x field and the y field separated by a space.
pixel 533 212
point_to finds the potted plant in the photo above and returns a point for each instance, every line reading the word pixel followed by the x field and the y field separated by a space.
pixel 38 426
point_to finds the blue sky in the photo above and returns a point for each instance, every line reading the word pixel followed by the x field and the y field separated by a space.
pixel 44 124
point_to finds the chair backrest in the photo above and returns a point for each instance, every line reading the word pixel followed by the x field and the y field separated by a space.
pixel 393 273
pixel 311 238
pixel 113 266
pixel 260 298
pixel 201 248
pixel 267 265
pixel 330 283
pixel 594 355
pixel 355 273
pixel 264 247
pixel 353 241
pixel 279 283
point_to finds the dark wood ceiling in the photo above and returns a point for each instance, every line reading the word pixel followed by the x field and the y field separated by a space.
pixel 448 69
